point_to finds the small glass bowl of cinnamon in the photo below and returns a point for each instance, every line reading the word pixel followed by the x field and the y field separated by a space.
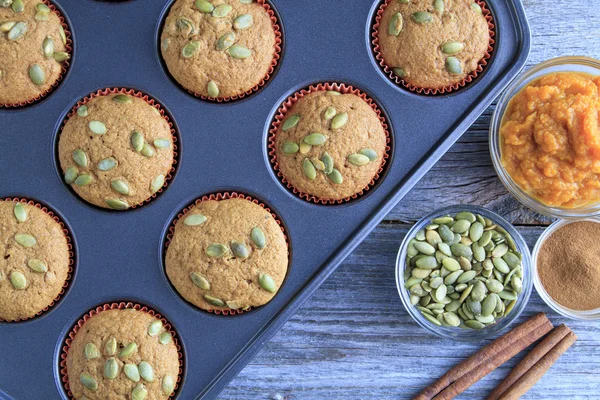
pixel 569 274
pixel 457 333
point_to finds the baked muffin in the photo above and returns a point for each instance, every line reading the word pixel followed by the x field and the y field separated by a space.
pixel 433 44
pixel 116 151
pixel 330 145
pixel 219 48
pixel 35 261
pixel 33 48
pixel 122 354
pixel 227 255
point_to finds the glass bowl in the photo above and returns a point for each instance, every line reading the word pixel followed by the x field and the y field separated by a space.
pixel 459 333
pixel 561 64
pixel 587 315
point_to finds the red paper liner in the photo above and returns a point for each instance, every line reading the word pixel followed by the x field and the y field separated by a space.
pixel 69 247
pixel 152 102
pixel 274 62
pixel 64 65
pixel 284 108
pixel 115 306
pixel 433 91
pixel 218 197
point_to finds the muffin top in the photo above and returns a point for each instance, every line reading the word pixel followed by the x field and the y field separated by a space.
pixel 218 48
pixel 116 151
pixel 33 48
pixel 330 145
pixel 35 261
pixel 227 254
pixel 121 354
pixel 433 44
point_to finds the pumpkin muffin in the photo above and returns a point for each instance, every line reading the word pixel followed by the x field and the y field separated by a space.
pixel 122 354
pixel 227 255
pixel 433 44
pixel 220 48
pixel 33 47
pixel 116 151
pixel 35 261
pixel 330 145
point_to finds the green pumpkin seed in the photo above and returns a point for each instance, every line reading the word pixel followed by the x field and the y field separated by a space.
pixel 122 99
pixel 453 66
pixel 358 159
pixel 451 264
pixel 62 34
pixel 216 250
pixel 97 127
pixel 194 220
pixel 327 163
pixel 425 248
pixel 399 72
pixel 476 231
pixel 17 31
pixel 221 10
pixel 148 151
pixel 315 139
pixel 204 6
pixel 37 74
pixel 107 164
pixel 200 281
pixel 239 51
pixel 18 6
pixel 165 44
pixel 239 249
pixel 309 169
pixel 154 327
pixel 18 280
pixel 330 112
pixel 162 143
pixel 157 183
pixel 501 265
pixel 510 306
pixel 128 350
pixel 422 17
pixel 25 240
pixel 111 346
pixel 111 368
pixel 433 238
pixel 139 392
pixel 116 204
pixel 427 262
pixel 422 273
pixel 477 8
pixel 91 351
pixel 83 180
pixel 132 372
pixel 439 5
pixel 244 21
pixel 512 260
pixel 190 49
pixel 37 265
pixel 71 174
pixel 42 7
pixel 396 24
pixel 466 277
pixel 137 141
pixel 370 153
pixel 290 122
pixel 517 284
pixel 20 212
pixel 467 216
pixel 258 237
pixel 88 381
pixel 48 47
pixel 212 89
pixel 225 42
pixel 494 286
pixel 500 250
pixel 488 306
pixel 451 319
pixel 246 1
pixel 479 291
pixel 7 26
pixel 214 301
pixel 452 47
pixel 168 385
pixel 460 250
pixel 267 283
pixel 185 26
pixel 82 111
pixel 461 226
pixel 339 121
pixel 120 186
pixel 431 319
pixel 336 177
pixel 146 371
pixel 452 277
pixel 290 148
pixel 41 16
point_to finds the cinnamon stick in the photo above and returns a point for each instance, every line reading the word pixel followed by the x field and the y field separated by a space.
pixel 467 380
pixel 530 360
pixel 532 329
pixel 535 373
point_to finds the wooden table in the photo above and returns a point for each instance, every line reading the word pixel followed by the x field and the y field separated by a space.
pixel 354 340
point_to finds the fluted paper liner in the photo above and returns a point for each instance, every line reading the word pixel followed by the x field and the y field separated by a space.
pixel 218 197
pixel 433 91
pixel 64 65
pixel 152 102
pixel 274 62
pixel 280 116
pixel 72 255
pixel 66 344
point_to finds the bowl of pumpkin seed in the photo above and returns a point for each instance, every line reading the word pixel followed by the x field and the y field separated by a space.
pixel 464 272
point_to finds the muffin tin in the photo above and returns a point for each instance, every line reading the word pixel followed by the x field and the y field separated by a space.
pixel 223 147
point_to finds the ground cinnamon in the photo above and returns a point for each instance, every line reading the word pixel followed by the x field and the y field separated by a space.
pixel 568 265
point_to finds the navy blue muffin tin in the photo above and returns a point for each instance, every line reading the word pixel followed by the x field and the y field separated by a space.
pixel 222 147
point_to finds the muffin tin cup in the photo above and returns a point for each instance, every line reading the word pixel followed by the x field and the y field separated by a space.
pixel 64 65
pixel 218 197
pixel 280 116
pixel 64 378
pixel 70 246
pixel 268 75
pixel 432 91
pixel 150 101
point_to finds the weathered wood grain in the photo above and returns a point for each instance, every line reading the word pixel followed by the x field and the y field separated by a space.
pixel 354 340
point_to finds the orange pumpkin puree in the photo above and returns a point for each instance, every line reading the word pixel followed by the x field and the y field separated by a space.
pixel 550 139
